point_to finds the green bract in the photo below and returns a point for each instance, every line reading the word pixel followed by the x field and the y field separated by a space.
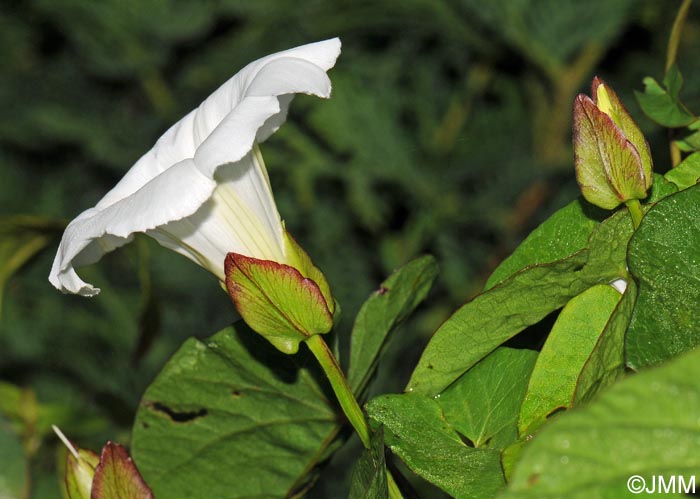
pixel 232 402
pixel 613 162
pixel 285 304
pixel 112 475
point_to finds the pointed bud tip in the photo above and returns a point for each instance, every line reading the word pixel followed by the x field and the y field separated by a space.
pixel 595 83
pixel 583 101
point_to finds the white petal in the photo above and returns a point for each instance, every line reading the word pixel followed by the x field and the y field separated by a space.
pixel 240 217
pixel 289 75
pixel 213 110
pixel 276 120
pixel 174 194
pixel 174 146
pixel 233 138
pixel 620 285
pixel 235 133
pixel 182 139
pixel 68 281
pixel 175 183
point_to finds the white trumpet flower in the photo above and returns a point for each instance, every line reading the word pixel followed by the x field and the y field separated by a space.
pixel 203 190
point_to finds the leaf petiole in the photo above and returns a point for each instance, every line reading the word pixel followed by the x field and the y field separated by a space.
pixel 636 211
pixel 346 398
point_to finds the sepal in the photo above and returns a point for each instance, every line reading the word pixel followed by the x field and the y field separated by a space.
pixel 116 476
pixel 278 301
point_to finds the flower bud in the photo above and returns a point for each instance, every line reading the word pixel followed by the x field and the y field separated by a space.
pixel 111 475
pixel 80 471
pixel 612 158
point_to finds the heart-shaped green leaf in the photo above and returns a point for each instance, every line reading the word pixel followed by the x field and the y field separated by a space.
pixel 662 104
pixel 483 404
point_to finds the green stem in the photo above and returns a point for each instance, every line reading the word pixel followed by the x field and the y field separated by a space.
pixel 675 38
pixel 671 56
pixel 342 390
pixel 345 397
pixel 394 491
pixel 636 211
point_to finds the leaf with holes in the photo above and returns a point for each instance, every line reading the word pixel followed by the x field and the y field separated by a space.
pixel 233 402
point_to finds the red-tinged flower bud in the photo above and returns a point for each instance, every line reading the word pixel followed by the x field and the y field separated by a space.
pixel 112 475
pixel 612 158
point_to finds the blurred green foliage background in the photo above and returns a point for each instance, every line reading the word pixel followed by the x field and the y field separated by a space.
pixel 448 132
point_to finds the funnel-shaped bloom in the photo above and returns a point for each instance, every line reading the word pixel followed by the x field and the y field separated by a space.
pixel 613 162
pixel 203 190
